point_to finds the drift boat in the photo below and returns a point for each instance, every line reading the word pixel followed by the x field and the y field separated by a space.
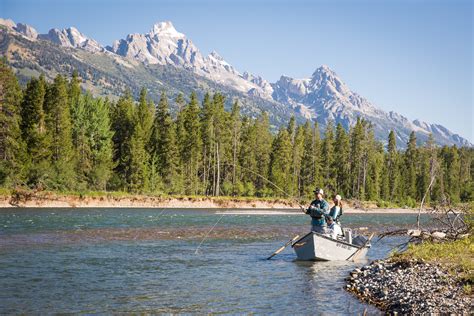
pixel 317 247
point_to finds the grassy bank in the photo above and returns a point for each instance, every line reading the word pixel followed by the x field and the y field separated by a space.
pixel 457 256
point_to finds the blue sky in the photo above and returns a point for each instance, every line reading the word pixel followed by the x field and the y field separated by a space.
pixel 413 57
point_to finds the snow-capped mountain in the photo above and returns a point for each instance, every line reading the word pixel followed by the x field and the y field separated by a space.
pixel 325 97
pixel 164 57
pixel 164 45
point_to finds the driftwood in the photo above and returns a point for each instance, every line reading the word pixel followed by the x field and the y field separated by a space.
pixel 452 226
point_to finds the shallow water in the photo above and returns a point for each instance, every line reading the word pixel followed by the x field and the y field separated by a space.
pixel 145 260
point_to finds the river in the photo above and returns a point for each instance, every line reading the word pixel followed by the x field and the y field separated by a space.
pixel 146 260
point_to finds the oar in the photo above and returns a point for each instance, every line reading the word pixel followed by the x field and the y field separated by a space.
pixel 354 255
pixel 283 247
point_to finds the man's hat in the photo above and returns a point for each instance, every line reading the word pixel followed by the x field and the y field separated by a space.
pixel 318 190
pixel 338 197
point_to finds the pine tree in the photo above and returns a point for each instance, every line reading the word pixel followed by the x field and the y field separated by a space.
pixel 236 126
pixel 247 156
pixel 291 128
pixel 296 152
pixel 222 147
pixel 123 129
pixel 280 161
pixel 208 141
pixel 392 168
pixel 341 161
pixel 452 173
pixel 465 174
pixel 294 187
pixel 80 116
pixel 100 136
pixel 163 144
pixel 373 159
pixel 59 127
pixel 410 170
pixel 192 145
pixel 307 167
pixel 357 154
pixel 262 150
pixel 12 147
pixel 428 169
pixel 327 163
pixel 139 155
pixel 368 151
pixel 74 89
pixel 180 132
pixel 34 133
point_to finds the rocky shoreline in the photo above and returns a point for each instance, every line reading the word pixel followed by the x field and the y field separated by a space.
pixel 409 287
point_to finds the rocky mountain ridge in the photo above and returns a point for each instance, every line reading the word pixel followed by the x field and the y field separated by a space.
pixel 322 97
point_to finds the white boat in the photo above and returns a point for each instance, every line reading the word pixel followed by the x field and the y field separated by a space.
pixel 318 247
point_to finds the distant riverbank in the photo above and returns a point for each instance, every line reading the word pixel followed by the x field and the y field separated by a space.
pixel 46 199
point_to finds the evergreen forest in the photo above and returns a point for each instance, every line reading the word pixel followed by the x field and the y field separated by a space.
pixel 55 136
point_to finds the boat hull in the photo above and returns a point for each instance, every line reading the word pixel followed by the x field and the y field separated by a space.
pixel 317 247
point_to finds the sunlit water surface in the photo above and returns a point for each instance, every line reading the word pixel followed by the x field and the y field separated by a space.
pixel 148 260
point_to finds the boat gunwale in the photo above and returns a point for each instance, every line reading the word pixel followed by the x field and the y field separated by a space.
pixel 328 238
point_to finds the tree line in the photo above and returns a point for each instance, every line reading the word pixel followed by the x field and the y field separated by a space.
pixel 55 136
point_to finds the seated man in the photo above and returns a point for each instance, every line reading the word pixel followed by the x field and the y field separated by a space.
pixel 334 230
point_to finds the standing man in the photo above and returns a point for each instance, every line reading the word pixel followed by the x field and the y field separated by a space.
pixel 318 210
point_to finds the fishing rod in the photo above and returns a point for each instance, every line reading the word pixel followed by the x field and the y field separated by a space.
pixel 272 183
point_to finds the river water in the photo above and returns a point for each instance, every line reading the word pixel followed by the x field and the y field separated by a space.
pixel 149 260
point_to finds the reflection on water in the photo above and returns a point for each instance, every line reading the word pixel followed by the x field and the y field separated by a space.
pixel 106 261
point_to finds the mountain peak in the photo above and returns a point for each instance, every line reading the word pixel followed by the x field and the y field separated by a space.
pixel 325 71
pixel 71 37
pixel 216 55
pixel 324 77
pixel 165 28
pixel 8 23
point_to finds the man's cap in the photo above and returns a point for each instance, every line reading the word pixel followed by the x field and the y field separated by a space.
pixel 318 190
pixel 338 197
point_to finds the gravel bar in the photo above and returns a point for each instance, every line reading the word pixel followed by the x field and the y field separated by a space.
pixel 410 287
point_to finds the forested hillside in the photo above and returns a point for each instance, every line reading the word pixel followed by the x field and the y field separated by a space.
pixel 55 136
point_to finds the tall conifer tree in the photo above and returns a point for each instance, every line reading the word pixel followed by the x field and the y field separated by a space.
pixel 59 127
pixel 12 147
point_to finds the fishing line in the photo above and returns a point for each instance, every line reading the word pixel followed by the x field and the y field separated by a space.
pixel 276 186
pixel 259 175
pixel 197 249
pixel 162 211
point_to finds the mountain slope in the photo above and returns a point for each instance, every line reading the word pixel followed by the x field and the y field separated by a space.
pixel 325 97
pixel 166 59
pixel 108 74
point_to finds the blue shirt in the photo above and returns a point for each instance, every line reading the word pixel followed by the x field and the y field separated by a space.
pixel 335 212
pixel 318 210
